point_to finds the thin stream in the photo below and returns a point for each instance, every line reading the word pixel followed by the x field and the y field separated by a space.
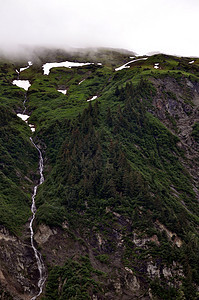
pixel 40 264
pixel 17 74
pixel 24 104
pixel 25 97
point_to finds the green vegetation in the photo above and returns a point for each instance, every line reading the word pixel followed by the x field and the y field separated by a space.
pixel 73 281
pixel 113 168
pixel 18 158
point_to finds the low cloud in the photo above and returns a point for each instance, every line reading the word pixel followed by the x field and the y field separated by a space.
pixel 141 26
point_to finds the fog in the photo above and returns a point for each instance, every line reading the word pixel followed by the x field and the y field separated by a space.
pixel 142 26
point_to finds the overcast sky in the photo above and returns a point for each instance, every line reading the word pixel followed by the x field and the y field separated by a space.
pixel 169 26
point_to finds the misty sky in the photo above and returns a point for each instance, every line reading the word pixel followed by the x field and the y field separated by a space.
pixel 169 26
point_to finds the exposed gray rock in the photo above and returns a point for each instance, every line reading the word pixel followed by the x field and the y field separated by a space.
pixel 19 272
pixel 43 233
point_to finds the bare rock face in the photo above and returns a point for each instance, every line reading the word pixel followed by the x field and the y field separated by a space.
pixel 176 104
pixel 18 268
pixel 131 281
pixel 43 233
pixel 122 282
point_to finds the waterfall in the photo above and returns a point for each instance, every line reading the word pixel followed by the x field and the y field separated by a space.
pixel 24 103
pixel 40 264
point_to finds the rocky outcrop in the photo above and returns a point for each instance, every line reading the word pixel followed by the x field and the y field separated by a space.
pixel 43 234
pixel 172 274
pixel 172 237
pixel 19 272
pixel 176 104
pixel 122 281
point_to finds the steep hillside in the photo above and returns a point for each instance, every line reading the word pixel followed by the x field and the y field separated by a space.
pixel 117 215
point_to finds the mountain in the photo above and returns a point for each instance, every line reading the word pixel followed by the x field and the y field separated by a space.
pixel 117 214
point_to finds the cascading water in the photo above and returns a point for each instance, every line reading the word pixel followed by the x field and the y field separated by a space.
pixel 40 264
pixel 42 271
pixel 24 104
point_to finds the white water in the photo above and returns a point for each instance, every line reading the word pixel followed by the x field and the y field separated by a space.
pixel 17 74
pixel 40 264
pixel 81 81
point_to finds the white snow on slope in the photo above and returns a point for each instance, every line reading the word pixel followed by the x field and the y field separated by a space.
pixel 22 69
pixel 62 91
pixel 156 66
pixel 29 64
pixel 93 98
pixel 191 62
pixel 32 127
pixel 25 84
pixel 23 117
pixel 125 66
pixel 67 64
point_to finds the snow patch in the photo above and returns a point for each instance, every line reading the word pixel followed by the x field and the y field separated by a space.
pixel 25 84
pixel 156 66
pixel 29 64
pixel 191 62
pixel 122 67
pixel 62 91
pixel 67 64
pixel 32 127
pixel 93 98
pixel 23 117
pixel 125 66
pixel 22 69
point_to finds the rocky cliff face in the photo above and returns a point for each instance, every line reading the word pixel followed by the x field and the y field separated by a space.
pixel 18 269
pixel 177 106
pixel 120 282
